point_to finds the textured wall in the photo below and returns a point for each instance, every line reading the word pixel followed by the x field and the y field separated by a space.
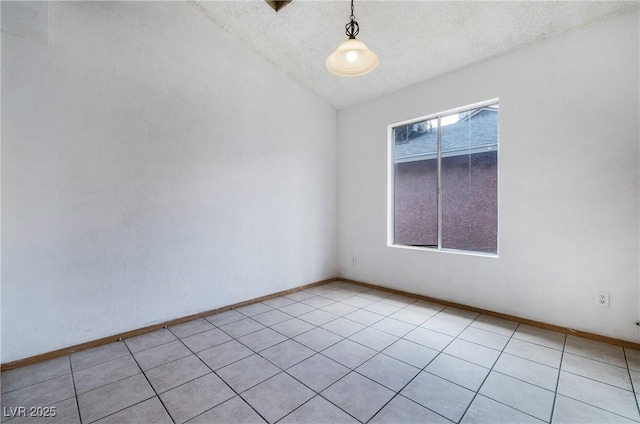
pixel 152 167
pixel 568 183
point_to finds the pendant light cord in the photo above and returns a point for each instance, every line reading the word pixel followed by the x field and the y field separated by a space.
pixel 352 28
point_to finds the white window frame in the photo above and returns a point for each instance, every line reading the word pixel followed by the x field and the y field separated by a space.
pixel 391 183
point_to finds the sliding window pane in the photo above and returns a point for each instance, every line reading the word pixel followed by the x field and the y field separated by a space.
pixel 469 153
pixel 416 184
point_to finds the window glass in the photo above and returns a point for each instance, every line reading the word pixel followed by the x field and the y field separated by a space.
pixel 470 181
pixel 445 181
pixel 416 184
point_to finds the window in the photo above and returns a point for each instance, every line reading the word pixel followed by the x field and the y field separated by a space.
pixel 443 180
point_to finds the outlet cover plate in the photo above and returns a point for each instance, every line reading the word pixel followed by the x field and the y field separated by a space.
pixel 602 299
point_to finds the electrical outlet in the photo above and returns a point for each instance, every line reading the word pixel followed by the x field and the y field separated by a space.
pixel 354 260
pixel 602 299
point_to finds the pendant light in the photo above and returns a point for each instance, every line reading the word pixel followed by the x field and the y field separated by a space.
pixel 352 57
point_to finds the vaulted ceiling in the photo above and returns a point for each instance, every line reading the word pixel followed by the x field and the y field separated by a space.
pixel 415 40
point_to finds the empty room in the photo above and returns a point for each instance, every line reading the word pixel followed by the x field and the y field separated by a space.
pixel 320 211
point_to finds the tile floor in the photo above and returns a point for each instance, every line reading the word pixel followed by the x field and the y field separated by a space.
pixel 337 353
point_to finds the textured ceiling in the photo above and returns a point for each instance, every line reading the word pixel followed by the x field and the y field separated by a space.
pixel 415 40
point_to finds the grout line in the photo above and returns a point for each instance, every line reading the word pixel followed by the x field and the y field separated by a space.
pixel 602 409
pixel 75 392
pixel 316 394
pixel 33 384
pixel 214 373
pixel 218 376
pixel 477 392
pixel 150 385
pixel 350 370
pixel 555 392
pixel 423 369
pixel 633 387
pixel 599 381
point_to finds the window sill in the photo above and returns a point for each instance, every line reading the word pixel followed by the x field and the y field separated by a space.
pixel 452 251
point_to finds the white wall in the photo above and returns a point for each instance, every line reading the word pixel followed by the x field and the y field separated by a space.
pixel 152 167
pixel 568 189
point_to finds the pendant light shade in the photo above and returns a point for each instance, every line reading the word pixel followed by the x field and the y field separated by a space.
pixel 352 57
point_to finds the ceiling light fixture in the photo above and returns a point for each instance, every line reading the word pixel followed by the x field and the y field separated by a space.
pixel 352 57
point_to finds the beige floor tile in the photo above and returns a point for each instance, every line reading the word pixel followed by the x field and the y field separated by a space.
pixel 462 316
pixel 224 354
pixel 484 337
pixel 98 375
pixel 403 410
pixel 429 338
pixel 64 412
pixel 359 396
pixel 374 339
pixel 190 328
pixel 571 411
pixel 318 317
pixel 113 397
pixel 97 355
pixel 149 340
pixel 439 395
pixel 201 341
pixel 287 354
pixel 411 353
pixel 318 410
pixel 148 411
pixel 596 370
pixel 343 327
pixel 540 336
pixel 358 301
pixel 495 325
pixel 36 373
pixel 472 352
pixel 318 339
pixel 339 308
pixel 318 372
pixel 247 372
pixel 364 317
pixel 534 352
pixel 242 328
pixel 172 374
pixel 161 355
pixel 458 371
pixel 45 393
pixel 292 327
pixel 318 301
pixel 600 395
pixel 598 351
pixel 524 397
pixel 254 309
pixel 388 371
pixel 224 318
pixel 393 326
pixel 484 410
pixel 529 371
pixel 410 316
pixel 195 397
pixel 348 353
pixel 296 309
pixel 382 308
pixel 277 396
pixel 233 411
pixel 271 317
pixel 262 339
